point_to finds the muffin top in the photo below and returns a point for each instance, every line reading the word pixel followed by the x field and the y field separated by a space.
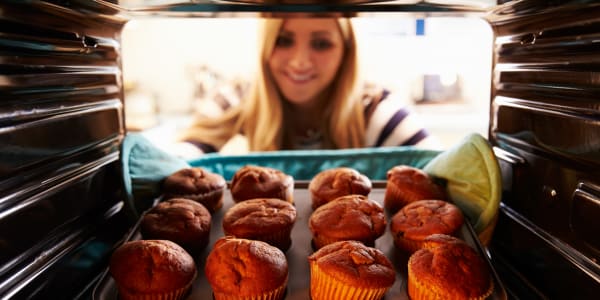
pixel 439 239
pixel 452 269
pixel 192 181
pixel 354 263
pixel 151 266
pixel 176 218
pixel 415 183
pixel 251 182
pixel 419 219
pixel 259 214
pixel 245 267
pixel 349 217
pixel 332 183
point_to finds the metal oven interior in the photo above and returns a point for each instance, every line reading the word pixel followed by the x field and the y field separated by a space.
pixel 62 124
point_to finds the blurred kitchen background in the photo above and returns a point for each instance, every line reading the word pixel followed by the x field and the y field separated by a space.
pixel 176 67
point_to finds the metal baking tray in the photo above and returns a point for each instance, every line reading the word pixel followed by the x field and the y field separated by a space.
pixel 299 272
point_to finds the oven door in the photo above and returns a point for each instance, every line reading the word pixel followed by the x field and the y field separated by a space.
pixel 61 126
pixel 544 125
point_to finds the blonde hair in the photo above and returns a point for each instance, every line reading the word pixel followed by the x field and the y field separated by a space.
pixel 260 117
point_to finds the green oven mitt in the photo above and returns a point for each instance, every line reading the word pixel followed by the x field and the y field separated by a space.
pixel 144 168
pixel 474 181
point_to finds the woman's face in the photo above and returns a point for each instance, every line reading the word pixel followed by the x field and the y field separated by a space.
pixel 306 57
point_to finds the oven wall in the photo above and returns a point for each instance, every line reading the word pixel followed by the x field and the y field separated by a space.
pixel 545 126
pixel 61 124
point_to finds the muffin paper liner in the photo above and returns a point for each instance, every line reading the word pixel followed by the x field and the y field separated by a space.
pixel 276 294
pixel 407 245
pixel 212 200
pixel 174 295
pixel 325 287
pixel 281 239
pixel 321 241
pixel 395 198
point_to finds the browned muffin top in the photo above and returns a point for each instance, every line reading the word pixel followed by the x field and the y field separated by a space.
pixel 332 183
pixel 251 182
pixel 354 263
pixel 259 214
pixel 406 184
pixel 349 217
pixel 452 269
pixel 176 219
pixel 422 218
pixel 151 266
pixel 191 181
pixel 245 267
pixel 416 180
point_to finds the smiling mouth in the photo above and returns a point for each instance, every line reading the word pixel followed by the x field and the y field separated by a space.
pixel 300 78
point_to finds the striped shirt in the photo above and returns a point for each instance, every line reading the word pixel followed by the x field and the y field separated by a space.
pixel 393 124
pixel 389 123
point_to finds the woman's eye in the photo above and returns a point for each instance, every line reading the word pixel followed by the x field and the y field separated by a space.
pixel 284 41
pixel 321 44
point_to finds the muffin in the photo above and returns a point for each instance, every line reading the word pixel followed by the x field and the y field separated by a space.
pixel 265 219
pixel 419 219
pixel 351 217
pixel 183 221
pixel 246 269
pixel 439 239
pixel 251 182
pixel 336 182
pixel 448 270
pixel 407 184
pixel 152 269
pixel 350 270
pixel 196 184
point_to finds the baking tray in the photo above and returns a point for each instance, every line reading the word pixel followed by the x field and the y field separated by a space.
pixel 299 272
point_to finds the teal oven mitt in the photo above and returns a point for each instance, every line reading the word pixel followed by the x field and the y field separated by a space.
pixel 305 164
pixel 474 182
pixel 144 167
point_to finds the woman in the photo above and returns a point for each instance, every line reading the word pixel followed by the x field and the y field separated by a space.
pixel 307 96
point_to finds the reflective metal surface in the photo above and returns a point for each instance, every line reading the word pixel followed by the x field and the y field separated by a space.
pixel 545 115
pixel 61 126
pixel 245 8
pixel 61 116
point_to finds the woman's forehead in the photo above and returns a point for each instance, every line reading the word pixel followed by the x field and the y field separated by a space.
pixel 310 25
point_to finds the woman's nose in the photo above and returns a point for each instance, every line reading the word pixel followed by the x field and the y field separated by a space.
pixel 300 58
